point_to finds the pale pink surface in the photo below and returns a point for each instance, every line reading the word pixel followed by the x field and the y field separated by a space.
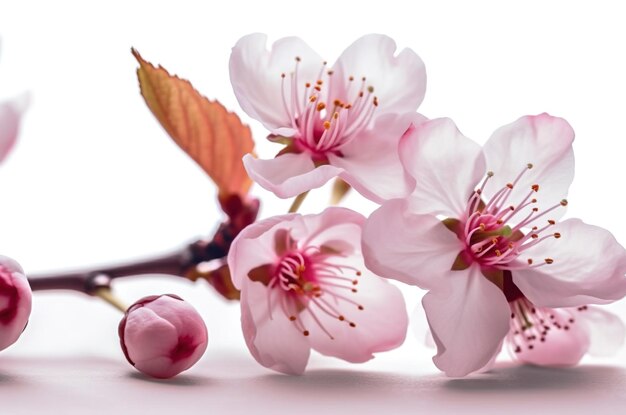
pixel 162 336
pixel 303 285
pixel 15 301
pixel 233 383
pixel 342 121
pixel 504 229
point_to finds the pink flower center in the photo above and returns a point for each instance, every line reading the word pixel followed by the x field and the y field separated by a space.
pixel 493 231
pixel 326 116
pixel 309 280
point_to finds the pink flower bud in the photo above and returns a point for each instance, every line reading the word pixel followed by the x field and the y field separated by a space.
pixel 162 335
pixel 15 301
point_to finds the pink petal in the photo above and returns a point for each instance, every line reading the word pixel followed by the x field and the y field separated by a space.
pixel 560 348
pixel 255 74
pixel 399 81
pixel 9 127
pixel 274 341
pixel 333 224
pixel 150 335
pixel 490 364
pixel 588 268
pixel 371 162
pixel 430 343
pixel 414 249
pixel 254 246
pixel 288 175
pixel 607 331
pixel 380 326
pixel 445 164
pixel 546 143
pixel 469 317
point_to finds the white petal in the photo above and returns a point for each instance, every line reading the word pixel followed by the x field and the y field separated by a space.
pixel 546 143
pixel 288 175
pixel 445 164
pixel 380 326
pixel 469 318
pixel 255 74
pixel 399 81
pixel 414 249
pixel 589 267
pixel 371 161
pixel 274 340
pixel 333 224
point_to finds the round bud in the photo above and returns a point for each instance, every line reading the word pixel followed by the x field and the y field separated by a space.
pixel 15 301
pixel 162 335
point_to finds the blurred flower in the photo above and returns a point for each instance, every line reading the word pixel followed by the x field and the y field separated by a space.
pixel 15 301
pixel 162 335
pixel 345 121
pixel 500 242
pixel 10 115
pixel 303 285
pixel 561 336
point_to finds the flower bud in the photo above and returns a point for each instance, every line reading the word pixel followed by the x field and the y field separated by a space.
pixel 162 335
pixel 15 301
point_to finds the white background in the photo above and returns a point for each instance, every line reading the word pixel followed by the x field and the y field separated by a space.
pixel 94 179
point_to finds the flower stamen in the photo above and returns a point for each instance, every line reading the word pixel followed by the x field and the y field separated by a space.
pixel 488 237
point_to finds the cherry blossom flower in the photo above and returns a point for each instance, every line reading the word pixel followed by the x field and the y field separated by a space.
pixel 162 335
pixel 15 301
pixel 303 285
pixel 480 232
pixel 561 336
pixel 342 121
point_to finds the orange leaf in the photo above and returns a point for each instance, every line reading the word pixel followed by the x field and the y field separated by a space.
pixel 214 137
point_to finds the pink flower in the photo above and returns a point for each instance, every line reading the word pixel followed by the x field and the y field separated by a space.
pixel 15 301
pixel 162 335
pixel 10 114
pixel 303 285
pixel 480 232
pixel 345 121
pixel 561 336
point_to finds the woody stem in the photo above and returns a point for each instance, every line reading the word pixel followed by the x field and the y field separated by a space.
pixel 92 281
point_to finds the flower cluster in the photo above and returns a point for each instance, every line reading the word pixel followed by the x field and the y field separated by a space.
pixel 479 228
